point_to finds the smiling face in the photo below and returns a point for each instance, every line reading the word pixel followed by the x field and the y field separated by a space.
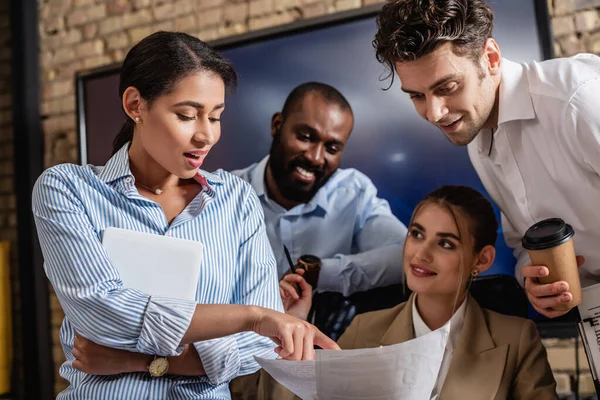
pixel 176 131
pixel 453 92
pixel 436 258
pixel 307 146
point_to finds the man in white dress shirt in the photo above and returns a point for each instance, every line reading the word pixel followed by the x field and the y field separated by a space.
pixel 532 130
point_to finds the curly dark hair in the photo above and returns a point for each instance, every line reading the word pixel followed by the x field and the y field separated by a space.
pixel 411 29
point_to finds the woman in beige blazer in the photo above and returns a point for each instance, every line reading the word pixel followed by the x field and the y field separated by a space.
pixel 488 356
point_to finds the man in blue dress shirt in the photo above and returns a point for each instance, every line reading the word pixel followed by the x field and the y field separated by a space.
pixel 314 207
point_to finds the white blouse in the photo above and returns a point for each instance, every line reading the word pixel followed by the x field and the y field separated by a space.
pixel 456 324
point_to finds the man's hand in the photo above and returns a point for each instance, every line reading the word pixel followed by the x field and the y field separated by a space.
pixel 95 359
pixel 293 303
pixel 543 297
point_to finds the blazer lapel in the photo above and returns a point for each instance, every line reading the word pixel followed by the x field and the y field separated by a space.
pixel 477 364
pixel 401 330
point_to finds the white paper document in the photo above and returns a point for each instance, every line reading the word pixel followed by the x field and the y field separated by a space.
pixel 405 371
pixel 298 376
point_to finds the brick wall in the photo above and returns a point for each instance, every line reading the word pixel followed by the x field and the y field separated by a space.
pixel 576 28
pixel 8 217
pixel 78 34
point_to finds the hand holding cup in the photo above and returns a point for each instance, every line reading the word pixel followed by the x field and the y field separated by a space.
pixel 552 281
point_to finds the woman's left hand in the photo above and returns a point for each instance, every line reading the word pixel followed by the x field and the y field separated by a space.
pixel 96 359
pixel 294 303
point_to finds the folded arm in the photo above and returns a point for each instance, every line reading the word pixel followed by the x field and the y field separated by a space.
pixel 211 336
pixel 89 287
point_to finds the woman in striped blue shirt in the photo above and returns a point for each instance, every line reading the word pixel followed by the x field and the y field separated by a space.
pixel 172 89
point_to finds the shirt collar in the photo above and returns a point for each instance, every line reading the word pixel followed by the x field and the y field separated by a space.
pixel 515 99
pixel 514 104
pixel 456 323
pixel 117 167
pixel 257 179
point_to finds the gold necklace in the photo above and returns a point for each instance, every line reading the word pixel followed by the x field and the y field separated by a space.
pixel 156 191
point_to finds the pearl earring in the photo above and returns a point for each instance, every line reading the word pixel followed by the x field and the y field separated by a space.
pixel 137 119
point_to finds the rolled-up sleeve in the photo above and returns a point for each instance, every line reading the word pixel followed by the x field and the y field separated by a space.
pixel 225 358
pixel 89 287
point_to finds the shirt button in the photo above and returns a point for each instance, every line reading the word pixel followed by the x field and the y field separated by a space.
pixel 168 233
pixel 128 180
pixel 523 200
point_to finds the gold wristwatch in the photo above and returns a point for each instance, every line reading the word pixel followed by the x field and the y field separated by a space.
pixel 158 366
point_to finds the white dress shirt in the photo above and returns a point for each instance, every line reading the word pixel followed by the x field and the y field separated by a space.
pixel 456 324
pixel 543 160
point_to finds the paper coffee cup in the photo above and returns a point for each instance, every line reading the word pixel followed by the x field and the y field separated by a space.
pixel 550 243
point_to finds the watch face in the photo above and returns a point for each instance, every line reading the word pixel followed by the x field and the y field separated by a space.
pixel 159 366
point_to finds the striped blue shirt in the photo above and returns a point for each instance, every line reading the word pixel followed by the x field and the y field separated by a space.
pixel 72 205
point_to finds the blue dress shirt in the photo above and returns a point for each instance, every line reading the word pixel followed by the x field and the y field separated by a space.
pixel 353 231
pixel 358 239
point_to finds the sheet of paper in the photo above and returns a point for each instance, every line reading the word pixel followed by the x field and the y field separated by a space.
pixel 589 327
pixel 590 302
pixel 298 376
pixel 589 338
pixel 405 371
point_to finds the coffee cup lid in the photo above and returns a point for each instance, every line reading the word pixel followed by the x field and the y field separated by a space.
pixel 548 233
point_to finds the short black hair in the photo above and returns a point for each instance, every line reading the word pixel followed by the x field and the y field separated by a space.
pixel 328 92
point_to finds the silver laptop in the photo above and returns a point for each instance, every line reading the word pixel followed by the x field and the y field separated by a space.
pixel 155 264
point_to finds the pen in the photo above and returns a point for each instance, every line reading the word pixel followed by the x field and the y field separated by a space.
pixel 289 258
pixel 292 268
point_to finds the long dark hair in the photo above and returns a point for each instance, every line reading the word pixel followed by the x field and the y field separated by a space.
pixel 159 61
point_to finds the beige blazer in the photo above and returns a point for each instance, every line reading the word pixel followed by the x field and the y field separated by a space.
pixel 497 357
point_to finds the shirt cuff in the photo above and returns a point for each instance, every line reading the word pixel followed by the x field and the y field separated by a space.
pixel 165 322
pixel 330 276
pixel 220 359
pixel 521 262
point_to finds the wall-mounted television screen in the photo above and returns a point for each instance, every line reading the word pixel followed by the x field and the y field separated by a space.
pixel 405 156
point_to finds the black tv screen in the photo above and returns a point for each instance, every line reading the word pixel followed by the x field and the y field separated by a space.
pixel 405 156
